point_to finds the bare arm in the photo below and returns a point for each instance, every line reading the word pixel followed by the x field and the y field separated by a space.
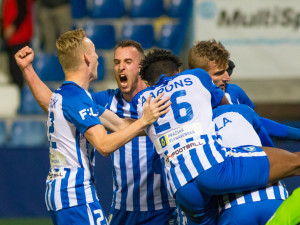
pixel 40 91
pixel 108 143
pixel 113 122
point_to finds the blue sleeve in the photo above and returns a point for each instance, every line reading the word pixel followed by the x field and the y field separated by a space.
pixel 280 131
pixel 100 98
pixel 240 95
pixel 293 133
pixel 216 93
pixel 84 113
pixel 265 138
pixel 273 128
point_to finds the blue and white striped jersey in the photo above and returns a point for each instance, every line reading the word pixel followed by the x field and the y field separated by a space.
pixel 135 185
pixel 238 125
pixel 70 181
pixel 185 136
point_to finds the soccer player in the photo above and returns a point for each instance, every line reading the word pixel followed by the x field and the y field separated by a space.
pixel 196 165
pixel 139 194
pixel 73 127
pixel 212 56
pixel 239 125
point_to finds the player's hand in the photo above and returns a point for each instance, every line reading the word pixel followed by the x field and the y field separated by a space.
pixel 24 57
pixel 155 109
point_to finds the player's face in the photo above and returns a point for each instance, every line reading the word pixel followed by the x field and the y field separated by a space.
pixel 219 75
pixel 126 66
pixel 93 57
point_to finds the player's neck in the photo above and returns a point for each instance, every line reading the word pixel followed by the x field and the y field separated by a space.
pixel 129 96
pixel 79 78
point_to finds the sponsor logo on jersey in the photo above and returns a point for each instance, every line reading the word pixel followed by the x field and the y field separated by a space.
pixel 56 175
pixel 163 141
pixel 249 148
pixel 85 112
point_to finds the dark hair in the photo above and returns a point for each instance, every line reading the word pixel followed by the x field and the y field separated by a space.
pixel 157 62
pixel 130 43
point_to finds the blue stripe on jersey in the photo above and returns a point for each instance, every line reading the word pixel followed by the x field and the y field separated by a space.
pixel 120 105
pixel 136 174
pixel 173 175
pixel 64 189
pixel 80 195
pixel 263 193
pixel 195 159
pixel 114 183
pixel 183 167
pixel 276 191
pixel 123 176
pixel 52 195
pixel 150 179
pixel 248 196
pixel 208 152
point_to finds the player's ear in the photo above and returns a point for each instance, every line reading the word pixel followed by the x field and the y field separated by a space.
pixel 86 59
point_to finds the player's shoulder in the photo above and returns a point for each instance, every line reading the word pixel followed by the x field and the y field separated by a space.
pixel 238 108
pixel 70 89
pixel 233 88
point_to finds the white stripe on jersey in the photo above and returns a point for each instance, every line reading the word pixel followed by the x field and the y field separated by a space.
pixel 145 200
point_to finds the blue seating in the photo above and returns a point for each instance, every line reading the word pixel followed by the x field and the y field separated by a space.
pixel 78 9
pixel 103 36
pixel 28 103
pixel 28 133
pixel 107 9
pixel 180 8
pixel 48 68
pixel 3 133
pixel 146 8
pixel 142 33
pixel 101 68
pixel 171 37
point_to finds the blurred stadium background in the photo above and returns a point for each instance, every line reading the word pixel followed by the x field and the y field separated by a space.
pixel 262 36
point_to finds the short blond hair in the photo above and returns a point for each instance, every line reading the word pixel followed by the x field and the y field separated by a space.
pixel 205 51
pixel 70 48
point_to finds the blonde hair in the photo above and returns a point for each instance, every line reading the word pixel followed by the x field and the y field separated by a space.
pixel 205 51
pixel 70 49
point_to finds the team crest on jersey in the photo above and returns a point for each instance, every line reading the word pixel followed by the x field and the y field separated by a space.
pixel 249 148
pixel 163 141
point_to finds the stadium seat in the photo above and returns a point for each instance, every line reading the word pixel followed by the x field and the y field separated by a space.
pixel 78 9
pixel 171 37
pixel 179 8
pixel 28 133
pixel 28 104
pixel 146 8
pixel 48 68
pixel 143 33
pixel 101 68
pixel 3 133
pixel 107 9
pixel 103 36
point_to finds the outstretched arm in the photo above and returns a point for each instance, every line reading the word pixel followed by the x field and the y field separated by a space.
pixel 108 143
pixel 279 130
pixel 40 91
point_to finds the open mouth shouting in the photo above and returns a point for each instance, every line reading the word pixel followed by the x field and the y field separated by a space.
pixel 123 80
